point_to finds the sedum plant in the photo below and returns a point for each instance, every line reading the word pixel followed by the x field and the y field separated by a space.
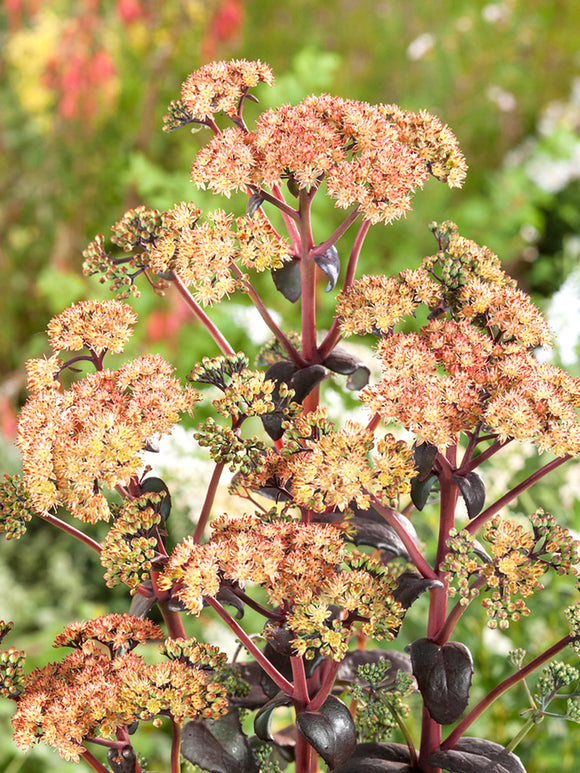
pixel 324 550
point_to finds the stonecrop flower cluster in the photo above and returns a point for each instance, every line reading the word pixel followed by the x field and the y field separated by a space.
pixel 519 557
pixel 103 685
pixel 75 442
pixel 471 365
pixel 464 383
pixel 308 564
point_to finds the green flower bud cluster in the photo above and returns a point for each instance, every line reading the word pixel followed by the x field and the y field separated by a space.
pixel 380 700
pixel 131 546
pixel 11 672
pixel 15 507
pixel 227 447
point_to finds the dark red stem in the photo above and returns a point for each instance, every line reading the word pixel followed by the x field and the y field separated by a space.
pixel 483 704
pixel 474 525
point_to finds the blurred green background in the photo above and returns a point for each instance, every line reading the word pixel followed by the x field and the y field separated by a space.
pixel 83 88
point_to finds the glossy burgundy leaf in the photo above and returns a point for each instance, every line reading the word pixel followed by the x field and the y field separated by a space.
pixel 377 758
pixel 287 280
pixel 424 456
pixel 329 264
pixel 254 203
pixel 473 492
pixel 400 661
pixel 341 361
pixel 420 490
pixel 263 719
pixel 444 675
pixel 330 731
pixel 122 760
pixel 251 672
pixel 218 746
pixel 477 755
pixel 410 585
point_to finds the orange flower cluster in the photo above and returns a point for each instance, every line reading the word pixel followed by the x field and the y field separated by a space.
pixel 470 365
pixel 373 156
pixel 96 325
pixel 327 468
pixel 218 87
pixel 92 692
pixel 73 442
pixel 299 567
pixel 201 254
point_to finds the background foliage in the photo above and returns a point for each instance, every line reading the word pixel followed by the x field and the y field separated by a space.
pixel 84 87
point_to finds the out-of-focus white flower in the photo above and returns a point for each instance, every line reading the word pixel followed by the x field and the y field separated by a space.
pixel 420 46
pixel 248 318
pixel 505 100
pixel 564 315
pixel 554 174
pixel 186 469
pixel 495 12
pixel 464 24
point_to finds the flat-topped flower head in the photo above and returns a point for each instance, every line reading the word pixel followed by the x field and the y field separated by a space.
pixel 519 558
pixel 218 87
pixel 307 563
pixel 76 442
pixel 93 693
pixel 366 157
pixel 115 631
pixel 96 325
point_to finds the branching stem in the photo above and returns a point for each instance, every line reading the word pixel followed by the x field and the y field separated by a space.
pixel 483 704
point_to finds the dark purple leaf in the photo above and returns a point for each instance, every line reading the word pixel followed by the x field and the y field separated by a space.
pixel 476 755
pixel 473 492
pixel 329 263
pixel 263 718
pixel 410 585
pixel 330 731
pixel 341 361
pixel 359 378
pixel 254 203
pixel 218 746
pixel 226 595
pixel 158 486
pixel 122 760
pixel 301 380
pixel 279 637
pixel 287 280
pixel 140 605
pixel 251 672
pixel 399 661
pixel 305 379
pixel 424 456
pixel 420 490
pixel 372 529
pixel 377 758
pixel 443 674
